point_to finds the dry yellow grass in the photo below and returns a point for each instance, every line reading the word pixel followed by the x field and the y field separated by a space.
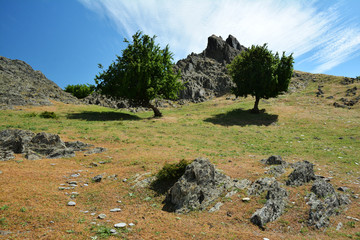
pixel 298 127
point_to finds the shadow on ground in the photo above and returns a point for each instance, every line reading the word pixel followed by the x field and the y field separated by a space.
pixel 102 116
pixel 241 117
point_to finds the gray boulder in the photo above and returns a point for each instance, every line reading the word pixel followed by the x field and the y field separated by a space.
pixel 324 202
pixel 303 173
pixel 274 160
pixel 273 208
pixel 261 185
pixel 200 185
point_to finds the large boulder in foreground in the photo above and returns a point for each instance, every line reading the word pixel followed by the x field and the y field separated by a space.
pixel 200 185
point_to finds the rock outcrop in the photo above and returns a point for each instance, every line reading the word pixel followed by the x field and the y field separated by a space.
pixel 200 185
pixel 274 207
pixel 205 74
pixel 21 85
pixel 303 173
pixel 324 202
pixel 37 146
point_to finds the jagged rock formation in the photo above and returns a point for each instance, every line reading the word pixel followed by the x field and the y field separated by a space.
pixel 303 173
pixel 37 146
pixel 274 206
pixel 200 185
pixel 21 85
pixel 324 202
pixel 205 74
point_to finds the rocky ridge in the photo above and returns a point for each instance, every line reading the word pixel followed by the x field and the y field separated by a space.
pixel 21 85
pixel 42 145
pixel 202 185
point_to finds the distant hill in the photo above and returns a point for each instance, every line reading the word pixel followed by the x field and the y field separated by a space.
pixel 21 85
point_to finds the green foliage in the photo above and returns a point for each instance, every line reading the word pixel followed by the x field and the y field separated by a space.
pixel 47 114
pixel 4 207
pixel 358 78
pixel 168 175
pixel 80 90
pixel 23 209
pixel 143 72
pixel 260 73
pixel 351 224
pixel 103 231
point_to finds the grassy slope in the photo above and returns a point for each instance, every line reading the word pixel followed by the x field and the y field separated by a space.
pixel 297 126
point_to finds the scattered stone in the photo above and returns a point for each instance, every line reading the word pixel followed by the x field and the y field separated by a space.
pixel 97 178
pixel 94 164
pixel 71 203
pixel 113 231
pixel 303 173
pixel 200 185
pixel 230 194
pixel 324 202
pixel 131 224
pixel 352 218
pixel 216 207
pixel 96 150
pixel 241 184
pixel 1 172
pixel 102 216
pixel 246 199
pixel 274 160
pixel 343 189
pixel 120 225
pixel 144 183
pixel 115 210
pixel 75 175
pixel 339 226
pixel 274 206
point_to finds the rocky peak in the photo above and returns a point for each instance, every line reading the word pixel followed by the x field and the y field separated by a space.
pixel 205 74
pixel 223 51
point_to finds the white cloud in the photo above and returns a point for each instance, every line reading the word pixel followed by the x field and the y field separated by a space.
pixel 292 26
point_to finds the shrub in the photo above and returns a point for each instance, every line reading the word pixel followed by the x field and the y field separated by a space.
pixel 80 90
pixel 47 114
pixel 168 175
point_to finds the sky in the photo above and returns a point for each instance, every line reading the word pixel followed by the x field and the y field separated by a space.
pixel 67 39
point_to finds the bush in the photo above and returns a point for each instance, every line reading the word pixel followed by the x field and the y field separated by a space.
pixel 47 114
pixel 80 90
pixel 358 78
pixel 169 175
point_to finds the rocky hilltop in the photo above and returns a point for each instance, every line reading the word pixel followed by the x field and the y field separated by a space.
pixel 205 74
pixel 21 85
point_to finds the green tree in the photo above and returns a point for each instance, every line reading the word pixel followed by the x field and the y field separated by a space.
pixel 260 73
pixel 143 72
pixel 80 90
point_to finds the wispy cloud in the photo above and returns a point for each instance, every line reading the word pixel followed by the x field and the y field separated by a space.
pixel 301 27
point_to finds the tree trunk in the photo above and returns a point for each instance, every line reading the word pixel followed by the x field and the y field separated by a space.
pixel 256 105
pixel 157 112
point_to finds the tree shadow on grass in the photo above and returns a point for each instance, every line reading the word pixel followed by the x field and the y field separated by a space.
pixel 241 117
pixel 102 116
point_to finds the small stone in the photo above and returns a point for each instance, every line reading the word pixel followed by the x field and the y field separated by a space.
pixel 343 189
pixel 352 218
pixel 73 182
pixel 93 223
pixel 52 164
pixel 113 231
pixel 94 164
pixel 92 214
pixel 85 184
pixel 124 180
pixel 120 225
pixel 102 216
pixel 75 175
pixel 71 203
pixel 216 207
pixel 246 199
pixel 115 210
pixel 1 172
pixel 131 224
pixel 97 178
pixel 51 222
pixel 339 226
pixel 118 201
pixel 266 239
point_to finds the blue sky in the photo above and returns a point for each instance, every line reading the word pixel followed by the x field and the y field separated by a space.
pixel 66 39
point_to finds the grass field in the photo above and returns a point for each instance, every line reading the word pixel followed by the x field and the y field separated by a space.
pixel 297 126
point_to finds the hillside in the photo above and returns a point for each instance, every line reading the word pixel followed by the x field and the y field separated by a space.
pixel 21 85
pixel 302 125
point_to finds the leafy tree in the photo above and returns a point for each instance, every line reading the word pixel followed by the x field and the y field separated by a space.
pixel 80 90
pixel 260 73
pixel 143 72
